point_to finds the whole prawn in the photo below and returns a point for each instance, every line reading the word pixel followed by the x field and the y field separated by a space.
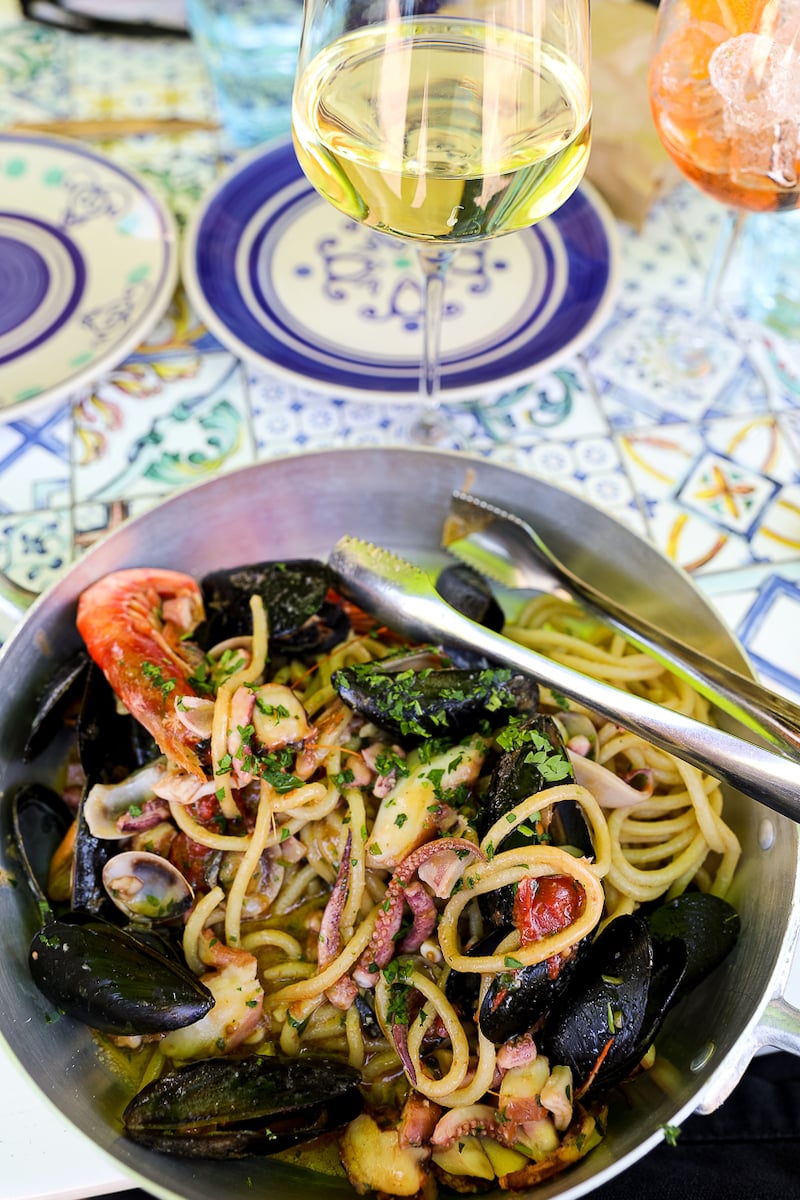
pixel 135 624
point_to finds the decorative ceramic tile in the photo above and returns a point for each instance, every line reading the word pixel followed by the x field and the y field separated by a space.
pixel 558 404
pixel 711 474
pixel 34 78
pixel 775 610
pixel 694 541
pixel 181 167
pixel 35 461
pixel 173 435
pixel 125 77
pixel 35 548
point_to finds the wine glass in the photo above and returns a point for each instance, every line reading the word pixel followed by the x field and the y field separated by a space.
pixel 724 87
pixel 443 124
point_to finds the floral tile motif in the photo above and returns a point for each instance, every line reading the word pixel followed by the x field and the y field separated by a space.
pixel 637 376
pixel 173 435
pixel 34 77
pixel 693 541
pixel 727 494
pixel 124 77
pixel 663 271
pixel 288 419
pixel 720 494
pixel 557 405
pixel 35 549
pixel 35 461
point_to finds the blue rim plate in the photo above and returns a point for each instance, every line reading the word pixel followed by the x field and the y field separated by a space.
pixel 88 265
pixel 289 284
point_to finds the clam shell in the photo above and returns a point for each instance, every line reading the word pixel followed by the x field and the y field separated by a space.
pixel 146 887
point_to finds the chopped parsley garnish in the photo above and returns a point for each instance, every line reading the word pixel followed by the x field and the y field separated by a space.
pixel 155 675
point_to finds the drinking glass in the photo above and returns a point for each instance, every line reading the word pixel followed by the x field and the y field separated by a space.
pixel 443 124
pixel 725 96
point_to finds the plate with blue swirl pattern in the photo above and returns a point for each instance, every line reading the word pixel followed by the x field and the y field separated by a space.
pixel 290 284
pixel 88 265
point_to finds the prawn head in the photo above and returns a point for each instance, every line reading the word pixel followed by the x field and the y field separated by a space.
pixel 135 624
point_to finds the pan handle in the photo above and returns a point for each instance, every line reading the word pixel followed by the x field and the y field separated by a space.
pixel 778 1029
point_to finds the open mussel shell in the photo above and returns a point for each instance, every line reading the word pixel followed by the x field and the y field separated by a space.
pixel 112 746
pixel 414 705
pixel 708 925
pixel 515 1001
pixel 111 742
pixel 229 1108
pixel 40 821
pixel 113 981
pixel 63 689
pixel 469 593
pixel 619 995
pixel 301 617
pixel 146 887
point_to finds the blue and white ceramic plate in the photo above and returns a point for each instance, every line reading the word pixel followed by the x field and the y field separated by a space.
pixel 88 264
pixel 288 283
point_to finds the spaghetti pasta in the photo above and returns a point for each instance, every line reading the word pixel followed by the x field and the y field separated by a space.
pixel 319 941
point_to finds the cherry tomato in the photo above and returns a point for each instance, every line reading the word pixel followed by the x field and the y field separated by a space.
pixel 546 905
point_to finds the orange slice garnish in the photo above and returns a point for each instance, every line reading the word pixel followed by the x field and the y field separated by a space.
pixel 737 16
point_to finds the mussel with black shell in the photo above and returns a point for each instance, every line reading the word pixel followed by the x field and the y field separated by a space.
pixel 232 1107
pixel 631 976
pixel 117 979
pixel 536 759
pixel 305 615
pixel 107 976
pixel 419 696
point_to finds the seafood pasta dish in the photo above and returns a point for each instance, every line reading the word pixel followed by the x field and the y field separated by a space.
pixel 387 911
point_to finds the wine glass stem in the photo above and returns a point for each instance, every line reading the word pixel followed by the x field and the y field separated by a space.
pixel 434 260
pixel 693 350
pixel 728 236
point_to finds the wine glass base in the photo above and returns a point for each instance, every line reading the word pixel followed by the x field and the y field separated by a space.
pixel 430 429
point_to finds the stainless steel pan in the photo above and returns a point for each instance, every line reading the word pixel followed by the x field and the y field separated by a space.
pixel 300 507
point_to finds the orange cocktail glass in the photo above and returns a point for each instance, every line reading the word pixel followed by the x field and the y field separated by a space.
pixel 725 97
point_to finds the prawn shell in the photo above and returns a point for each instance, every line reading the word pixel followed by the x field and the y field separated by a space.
pixel 149 663
pixel 113 981
pixel 232 1107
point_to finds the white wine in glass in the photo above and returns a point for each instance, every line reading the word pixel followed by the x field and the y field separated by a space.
pixel 442 125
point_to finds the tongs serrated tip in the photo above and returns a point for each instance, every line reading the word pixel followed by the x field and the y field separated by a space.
pixel 403 596
pixel 497 544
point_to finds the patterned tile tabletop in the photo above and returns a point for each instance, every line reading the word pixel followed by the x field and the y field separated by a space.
pixel 711 474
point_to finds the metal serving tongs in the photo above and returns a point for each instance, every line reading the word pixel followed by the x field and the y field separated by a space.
pixel 507 549
pixel 402 595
